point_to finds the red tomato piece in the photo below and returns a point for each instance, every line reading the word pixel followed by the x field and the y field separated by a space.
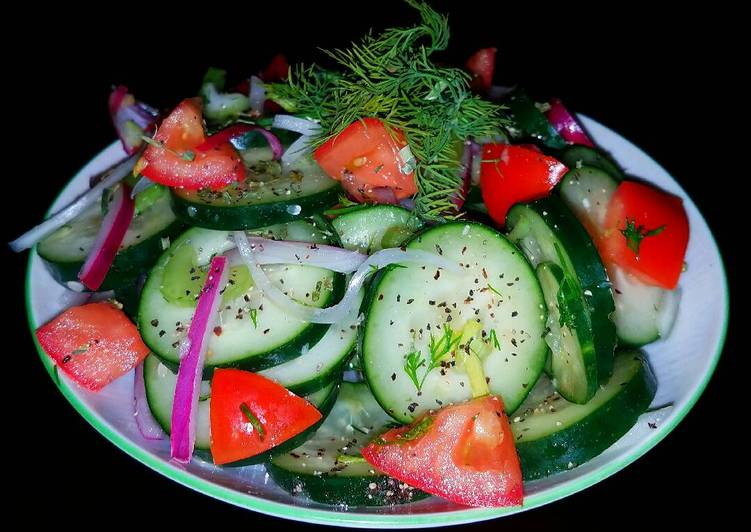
pixel 513 174
pixel 365 158
pixel 482 65
pixel 464 453
pixel 177 162
pixel 93 344
pixel 251 414
pixel 277 69
pixel 646 233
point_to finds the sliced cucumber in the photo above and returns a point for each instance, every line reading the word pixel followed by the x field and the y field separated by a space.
pixel 328 468
pixel 547 231
pixel 253 333
pixel 530 122
pixel 587 192
pixel 149 234
pixel 264 198
pixel 321 363
pixel 577 156
pixel 643 313
pixel 160 384
pixel 495 305
pixel 573 362
pixel 554 435
pixel 373 228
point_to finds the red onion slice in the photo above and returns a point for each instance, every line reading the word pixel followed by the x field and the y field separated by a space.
pixel 193 355
pixel 566 125
pixel 147 425
pixel 114 226
pixel 257 95
pixel 341 310
pixel 59 219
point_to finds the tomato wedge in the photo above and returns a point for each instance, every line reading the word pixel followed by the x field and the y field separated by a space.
pixel 277 69
pixel 93 344
pixel 176 162
pixel 646 233
pixel 251 414
pixel 482 65
pixel 365 158
pixel 513 174
pixel 464 453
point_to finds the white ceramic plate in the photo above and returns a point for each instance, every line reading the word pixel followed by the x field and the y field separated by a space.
pixel 683 364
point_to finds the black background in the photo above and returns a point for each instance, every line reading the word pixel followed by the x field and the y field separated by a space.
pixel 654 78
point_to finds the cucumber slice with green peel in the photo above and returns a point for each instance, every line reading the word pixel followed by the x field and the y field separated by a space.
pixel 319 364
pixel 573 362
pixel 547 231
pixel 374 228
pixel 329 469
pixel 494 307
pixel 577 156
pixel 530 122
pixel 151 230
pixel 252 333
pixel 587 192
pixel 160 384
pixel 263 199
pixel 554 435
pixel 643 313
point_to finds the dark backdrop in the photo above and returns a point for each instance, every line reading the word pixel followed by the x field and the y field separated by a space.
pixel 654 78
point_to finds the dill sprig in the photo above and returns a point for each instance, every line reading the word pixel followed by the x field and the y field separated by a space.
pixel 392 77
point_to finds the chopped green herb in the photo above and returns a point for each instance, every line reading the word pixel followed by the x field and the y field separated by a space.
pixel 490 286
pixel 253 313
pixel 253 420
pixel 350 459
pixel 392 77
pixel 417 430
pixel 634 234
pixel 494 339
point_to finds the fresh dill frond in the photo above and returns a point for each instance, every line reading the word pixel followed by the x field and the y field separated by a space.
pixel 391 77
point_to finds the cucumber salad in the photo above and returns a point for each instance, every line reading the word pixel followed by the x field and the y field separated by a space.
pixel 382 281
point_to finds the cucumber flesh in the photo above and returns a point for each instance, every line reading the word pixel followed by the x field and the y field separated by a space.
pixel 547 231
pixel 574 372
pixel 320 469
pixel 555 435
pixel 409 308
pixel 321 363
pixel 252 332
pixel 374 228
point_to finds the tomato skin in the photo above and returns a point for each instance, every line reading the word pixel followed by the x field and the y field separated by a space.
pixel 661 256
pixel 365 158
pixel 277 69
pixel 181 133
pixel 482 65
pixel 93 344
pixel 514 174
pixel 281 413
pixel 466 455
